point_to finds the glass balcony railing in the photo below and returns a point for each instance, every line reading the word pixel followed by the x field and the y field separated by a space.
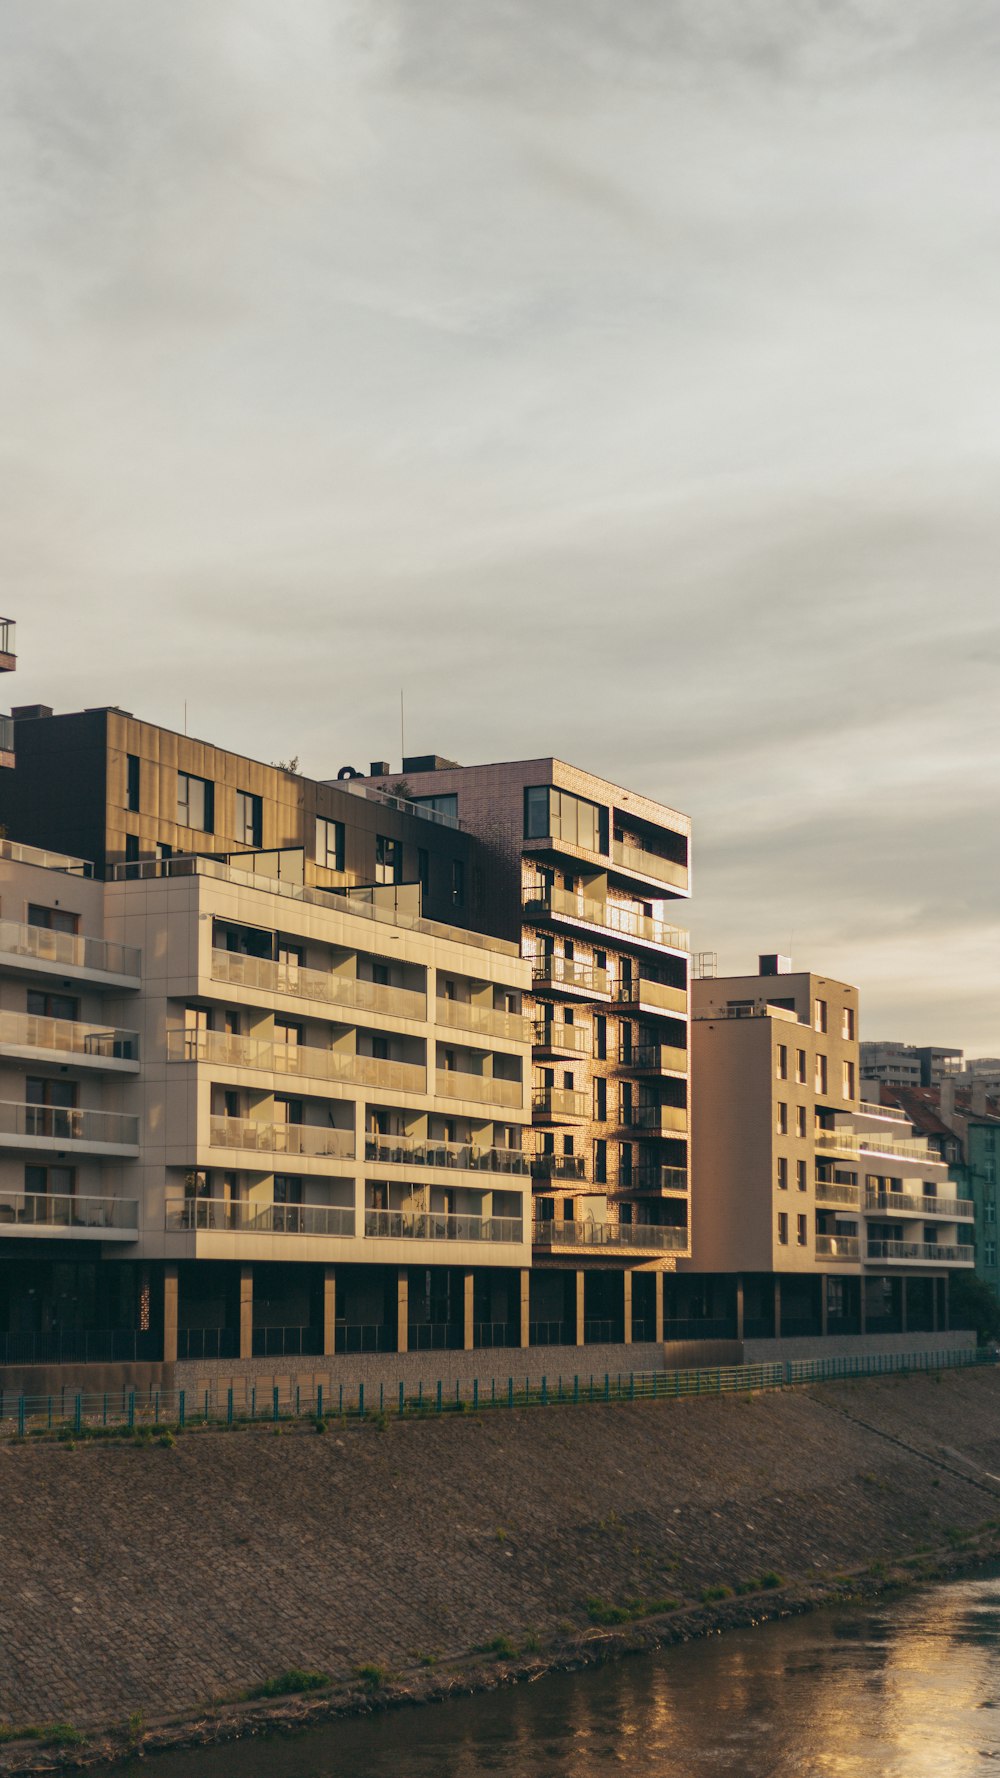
pixel 41 1211
pixel 68 950
pixel 480 1089
pixel 655 996
pixel 651 1178
pixel 657 1058
pixel 304 1061
pixel 578 975
pixel 608 916
pixel 488 1021
pixel 838 1246
pixel 216 1215
pixel 60 1124
pixel 311 1140
pixel 559 1166
pixel 651 1236
pixel 555 1034
pixel 413 1151
pixel 662 1120
pixel 6 734
pixel 558 1102
pixel 928 1252
pixel 68 1037
pixel 829 1191
pixel 321 986
pixel 439 1225
pixel 912 1204
pixel 649 864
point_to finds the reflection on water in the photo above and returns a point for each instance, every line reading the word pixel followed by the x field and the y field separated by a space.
pixel 911 1690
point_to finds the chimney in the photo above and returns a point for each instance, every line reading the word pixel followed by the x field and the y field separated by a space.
pixel 773 963
pixel 947 1102
pixel 977 1102
pixel 379 768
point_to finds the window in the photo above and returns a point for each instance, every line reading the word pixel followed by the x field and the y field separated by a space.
pixel 601 1100
pixel 195 803
pixel 847 1024
pixel 800 1067
pixel 53 919
pixel 57 1182
pixel 848 1080
pixel 625 1041
pixel 601 1037
pixel 819 1015
pixel 52 1006
pixel 131 848
pixel 249 818
pixel 457 883
pixel 781 1124
pixel 625 1163
pixel 132 781
pixel 440 805
pixel 782 1173
pixel 600 1161
pixel 800 1176
pixel 783 1228
pixel 990 1252
pixel 536 812
pixel 388 859
pixel 990 1210
pixel 329 843
pixel 163 850
pixel 821 1076
pixel 801 1234
pixel 800 1120
pixel 782 1066
pixel 555 813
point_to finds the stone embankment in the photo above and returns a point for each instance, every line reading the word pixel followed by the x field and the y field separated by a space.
pixel 153 1583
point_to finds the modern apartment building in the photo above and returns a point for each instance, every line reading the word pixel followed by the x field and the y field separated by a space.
pixel 580 873
pixel 962 1125
pixel 907 1064
pixel 814 1212
pixel 8 662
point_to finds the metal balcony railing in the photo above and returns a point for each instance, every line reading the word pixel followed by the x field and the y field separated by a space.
pixel 69 950
pixel 44 1210
pixel 414 1151
pixel 307 1061
pixel 67 1124
pixel 321 986
pixel 6 734
pixel 438 1225
pixel 609 1234
pixel 25 1031
pixel 481 1089
pixel 312 1140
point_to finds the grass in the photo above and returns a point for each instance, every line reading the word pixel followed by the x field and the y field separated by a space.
pixel 53 1734
pixel 708 1595
pixel 294 1679
pixel 372 1676
pixel 601 1613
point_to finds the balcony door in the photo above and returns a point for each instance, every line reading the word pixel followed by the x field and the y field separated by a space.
pixel 49 1107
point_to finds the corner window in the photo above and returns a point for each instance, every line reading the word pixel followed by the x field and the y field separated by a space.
pixel 195 803
pixel 329 843
pixel 536 812
pixel 249 818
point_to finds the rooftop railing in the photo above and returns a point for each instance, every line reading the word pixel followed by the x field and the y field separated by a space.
pixel 23 1031
pixel 439 1225
pixel 311 1140
pixel 69 950
pixel 45 1210
pixel 414 1151
pixel 68 1123
pixel 305 1061
pixel 609 1234
pixel 480 1089
pixel 45 860
pixel 319 985
pixel 404 805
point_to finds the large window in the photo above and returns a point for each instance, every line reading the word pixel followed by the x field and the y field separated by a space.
pixel 329 843
pixel 555 814
pixel 249 818
pixel 132 781
pixel 441 805
pixel 195 803
pixel 388 859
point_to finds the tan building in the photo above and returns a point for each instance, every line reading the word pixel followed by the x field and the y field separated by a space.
pixel 814 1212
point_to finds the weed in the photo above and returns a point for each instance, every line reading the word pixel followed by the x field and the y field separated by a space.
pixel 770 1579
pixel 428 1660
pixel 502 1647
pixel 55 1734
pixel 321 1425
pixel 708 1595
pixel 167 1440
pixel 134 1727
pixel 531 1644
pixel 371 1675
pixel 601 1613
pixel 294 1679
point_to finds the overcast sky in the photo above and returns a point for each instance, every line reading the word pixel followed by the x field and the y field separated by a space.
pixel 621 379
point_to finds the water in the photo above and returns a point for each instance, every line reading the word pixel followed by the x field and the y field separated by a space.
pixel 908 1690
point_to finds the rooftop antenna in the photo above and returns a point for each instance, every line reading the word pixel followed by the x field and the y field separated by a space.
pixel 185 716
pixel 402 731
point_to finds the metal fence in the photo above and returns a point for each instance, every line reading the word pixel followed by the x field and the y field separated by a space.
pixel 153 1410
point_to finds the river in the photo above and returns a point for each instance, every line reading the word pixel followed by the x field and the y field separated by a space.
pixel 910 1689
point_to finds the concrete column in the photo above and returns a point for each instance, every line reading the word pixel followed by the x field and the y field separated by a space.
pixel 902 1305
pixel 246 1311
pixel 468 1325
pixel 170 1313
pixel 579 1308
pixel 525 1295
pixel 739 1307
pixel 329 1310
pixel 627 1305
pixel 402 1309
pixel 658 1307
pixel 777 1308
pixel 823 1308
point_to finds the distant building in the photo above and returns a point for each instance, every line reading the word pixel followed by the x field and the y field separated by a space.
pixel 907 1064
pixel 962 1124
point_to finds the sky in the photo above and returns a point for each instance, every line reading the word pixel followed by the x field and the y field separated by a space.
pixel 617 380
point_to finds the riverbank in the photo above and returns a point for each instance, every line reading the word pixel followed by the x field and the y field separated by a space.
pixel 148 1589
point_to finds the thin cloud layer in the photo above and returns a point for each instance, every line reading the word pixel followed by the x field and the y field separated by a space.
pixel 620 381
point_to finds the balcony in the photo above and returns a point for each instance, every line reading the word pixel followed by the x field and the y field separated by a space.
pixel 921 1252
pixel 642 995
pixel 79 1218
pixel 320 986
pixel 869 1142
pixel 657 1058
pixel 303 1061
pixel 567 976
pixel 102 1048
pixel 830 1192
pixel 631 1237
pixel 910 1204
pixel 488 1021
pixel 558 1105
pixel 310 1140
pixel 37 1128
pixel 658 1120
pixel 216 1216
pixel 42 953
pixel 6 740
pixel 567 1168
pixel 640 863
pixel 555 1038
pixel 653 1178
pixel 412 1151
pixel 564 907
pixel 480 1089
pixel 8 658
pixel 434 1225
pixel 846 1247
